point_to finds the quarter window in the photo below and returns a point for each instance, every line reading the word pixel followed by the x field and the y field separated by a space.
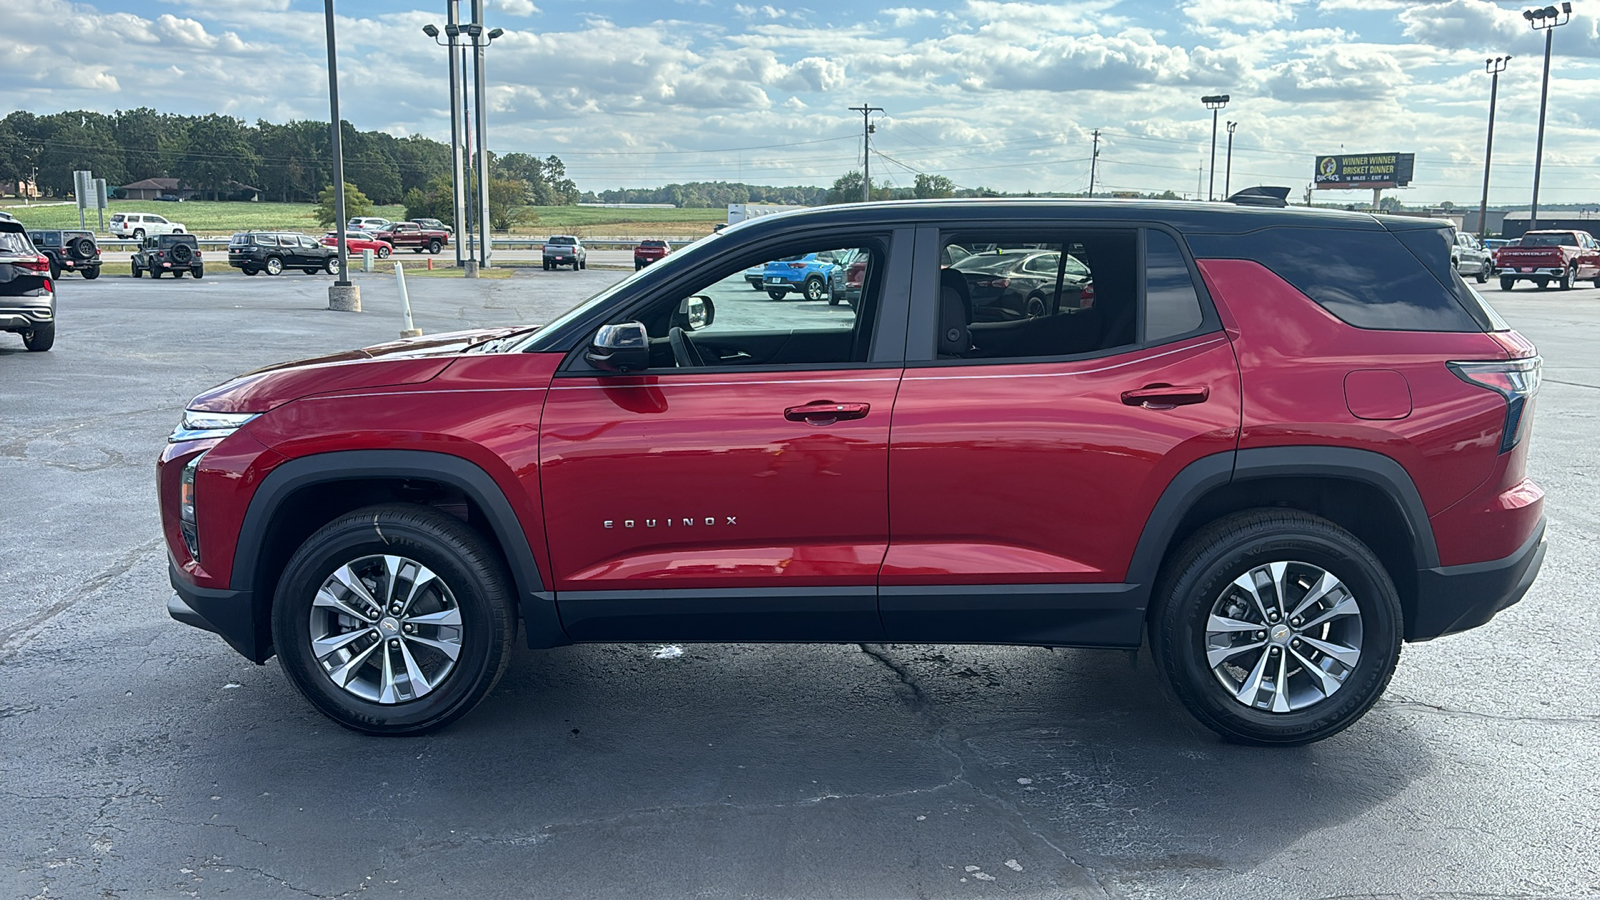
pixel 1172 306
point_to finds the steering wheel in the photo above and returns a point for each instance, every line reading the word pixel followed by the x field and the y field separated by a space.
pixel 684 352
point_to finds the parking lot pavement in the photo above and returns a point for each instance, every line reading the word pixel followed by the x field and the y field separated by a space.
pixel 142 758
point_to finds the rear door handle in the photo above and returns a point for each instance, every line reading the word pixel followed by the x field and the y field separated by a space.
pixel 826 412
pixel 1166 396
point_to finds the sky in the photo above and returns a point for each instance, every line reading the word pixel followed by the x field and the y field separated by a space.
pixel 985 92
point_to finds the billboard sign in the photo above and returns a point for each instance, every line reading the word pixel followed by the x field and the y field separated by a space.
pixel 1368 170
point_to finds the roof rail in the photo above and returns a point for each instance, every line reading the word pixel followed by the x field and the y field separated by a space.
pixel 1262 196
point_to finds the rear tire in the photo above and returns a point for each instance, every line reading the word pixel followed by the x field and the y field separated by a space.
pixel 467 608
pixel 434 247
pixel 383 252
pixel 40 338
pixel 1564 283
pixel 1212 665
pixel 274 265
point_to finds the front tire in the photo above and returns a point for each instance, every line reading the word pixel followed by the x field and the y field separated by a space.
pixel 137 271
pixel 394 619
pixel 331 266
pixel 1275 627
pixel 383 252
pixel 1507 284
pixel 91 274
pixel 1483 273
pixel 776 295
pixel 816 288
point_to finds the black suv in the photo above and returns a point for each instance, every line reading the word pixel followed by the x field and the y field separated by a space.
pixel 175 253
pixel 27 292
pixel 69 251
pixel 276 252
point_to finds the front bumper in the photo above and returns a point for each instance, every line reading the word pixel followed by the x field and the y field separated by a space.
pixel 233 615
pixel 1455 598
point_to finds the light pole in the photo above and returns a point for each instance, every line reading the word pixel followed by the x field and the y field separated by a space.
pixel 866 148
pixel 342 295
pixel 1214 102
pixel 1545 20
pixel 1227 170
pixel 458 210
pixel 1494 67
pixel 480 40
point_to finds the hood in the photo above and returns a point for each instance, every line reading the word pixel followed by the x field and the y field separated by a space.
pixel 409 361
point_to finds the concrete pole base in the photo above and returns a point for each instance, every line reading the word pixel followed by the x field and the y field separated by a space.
pixel 344 297
pixel 410 332
pixel 472 268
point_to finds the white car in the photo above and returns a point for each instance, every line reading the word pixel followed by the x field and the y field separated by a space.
pixel 365 223
pixel 140 225
pixel 1471 257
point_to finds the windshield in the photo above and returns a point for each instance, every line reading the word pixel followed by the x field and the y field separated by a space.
pixel 687 256
pixel 1548 240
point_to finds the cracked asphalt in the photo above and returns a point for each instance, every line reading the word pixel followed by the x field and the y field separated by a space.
pixel 142 758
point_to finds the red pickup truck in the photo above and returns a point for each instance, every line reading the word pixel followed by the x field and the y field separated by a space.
pixel 1545 256
pixel 413 237
pixel 648 252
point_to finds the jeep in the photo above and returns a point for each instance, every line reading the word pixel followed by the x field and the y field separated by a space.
pixel 169 253
pixel 1277 444
pixel 69 251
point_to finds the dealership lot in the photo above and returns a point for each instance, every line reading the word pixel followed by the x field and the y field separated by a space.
pixel 139 757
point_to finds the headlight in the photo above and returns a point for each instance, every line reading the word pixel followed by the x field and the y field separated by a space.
pixel 197 425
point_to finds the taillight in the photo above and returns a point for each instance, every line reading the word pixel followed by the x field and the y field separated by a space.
pixel 37 264
pixel 50 285
pixel 993 283
pixel 797 265
pixel 1516 380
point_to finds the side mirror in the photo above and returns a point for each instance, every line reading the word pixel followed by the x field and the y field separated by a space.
pixel 622 348
pixel 695 313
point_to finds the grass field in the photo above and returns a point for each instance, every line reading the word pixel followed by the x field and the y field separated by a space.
pixel 209 218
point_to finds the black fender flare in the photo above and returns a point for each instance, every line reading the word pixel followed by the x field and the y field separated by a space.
pixel 1203 475
pixel 535 604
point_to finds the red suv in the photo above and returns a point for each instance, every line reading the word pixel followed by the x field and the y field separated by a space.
pixel 1279 443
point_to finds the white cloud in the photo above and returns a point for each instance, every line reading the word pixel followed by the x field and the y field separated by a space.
pixel 518 7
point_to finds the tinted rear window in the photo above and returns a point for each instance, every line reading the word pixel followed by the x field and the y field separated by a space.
pixel 1369 279
pixel 562 240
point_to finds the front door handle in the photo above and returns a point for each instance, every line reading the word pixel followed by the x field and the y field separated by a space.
pixel 826 412
pixel 1166 396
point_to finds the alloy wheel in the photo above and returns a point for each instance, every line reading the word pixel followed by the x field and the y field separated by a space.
pixel 1283 636
pixel 386 629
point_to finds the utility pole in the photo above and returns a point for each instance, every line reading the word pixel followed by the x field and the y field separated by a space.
pixel 1093 159
pixel 1494 67
pixel 1227 172
pixel 866 148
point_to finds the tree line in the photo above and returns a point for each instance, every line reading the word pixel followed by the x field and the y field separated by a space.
pixel 215 154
